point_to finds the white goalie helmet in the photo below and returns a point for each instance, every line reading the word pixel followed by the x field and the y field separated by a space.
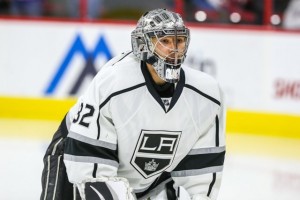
pixel 161 39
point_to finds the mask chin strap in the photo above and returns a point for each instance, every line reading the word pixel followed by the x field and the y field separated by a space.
pixel 151 60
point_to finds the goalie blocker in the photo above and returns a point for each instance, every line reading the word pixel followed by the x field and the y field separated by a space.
pixel 114 188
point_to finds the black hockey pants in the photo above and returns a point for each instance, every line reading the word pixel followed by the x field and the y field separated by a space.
pixel 55 184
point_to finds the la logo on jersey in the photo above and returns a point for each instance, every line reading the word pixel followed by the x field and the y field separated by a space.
pixel 155 151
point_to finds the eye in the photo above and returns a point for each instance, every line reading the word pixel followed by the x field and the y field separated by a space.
pixel 165 41
pixel 180 40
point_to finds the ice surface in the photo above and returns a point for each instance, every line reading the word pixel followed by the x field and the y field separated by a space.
pixel 256 167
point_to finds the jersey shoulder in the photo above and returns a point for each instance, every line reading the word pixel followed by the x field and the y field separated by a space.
pixel 203 82
pixel 119 73
pixel 122 70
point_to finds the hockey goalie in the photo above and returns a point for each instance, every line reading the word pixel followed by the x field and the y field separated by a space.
pixel 146 128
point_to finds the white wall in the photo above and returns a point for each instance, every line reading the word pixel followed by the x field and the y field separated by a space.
pixel 259 70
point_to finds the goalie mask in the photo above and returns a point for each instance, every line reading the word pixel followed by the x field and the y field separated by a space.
pixel 161 39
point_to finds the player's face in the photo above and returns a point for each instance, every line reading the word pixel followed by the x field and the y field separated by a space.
pixel 170 48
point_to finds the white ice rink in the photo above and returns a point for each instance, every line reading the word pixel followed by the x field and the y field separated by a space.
pixel 256 168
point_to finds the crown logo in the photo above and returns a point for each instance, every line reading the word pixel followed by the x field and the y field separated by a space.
pixel 166 102
pixel 151 166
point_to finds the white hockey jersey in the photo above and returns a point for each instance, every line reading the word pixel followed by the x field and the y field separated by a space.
pixel 121 127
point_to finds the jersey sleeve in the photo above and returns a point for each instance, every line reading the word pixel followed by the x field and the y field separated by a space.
pixel 200 172
pixel 91 144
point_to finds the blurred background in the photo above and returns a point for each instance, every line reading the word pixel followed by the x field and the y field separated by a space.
pixel 51 49
pixel 275 13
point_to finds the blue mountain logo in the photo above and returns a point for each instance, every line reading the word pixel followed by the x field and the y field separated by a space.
pixel 89 69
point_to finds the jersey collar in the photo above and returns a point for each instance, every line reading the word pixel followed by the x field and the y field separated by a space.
pixel 153 92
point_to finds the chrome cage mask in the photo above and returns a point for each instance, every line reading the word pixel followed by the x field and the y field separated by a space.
pixel 158 24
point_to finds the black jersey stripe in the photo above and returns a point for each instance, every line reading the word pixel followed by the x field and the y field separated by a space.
pixel 95 170
pixel 201 161
pixel 203 94
pixel 120 92
pixel 211 185
pixel 78 148
pixel 217 131
pixel 124 56
pixel 98 126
